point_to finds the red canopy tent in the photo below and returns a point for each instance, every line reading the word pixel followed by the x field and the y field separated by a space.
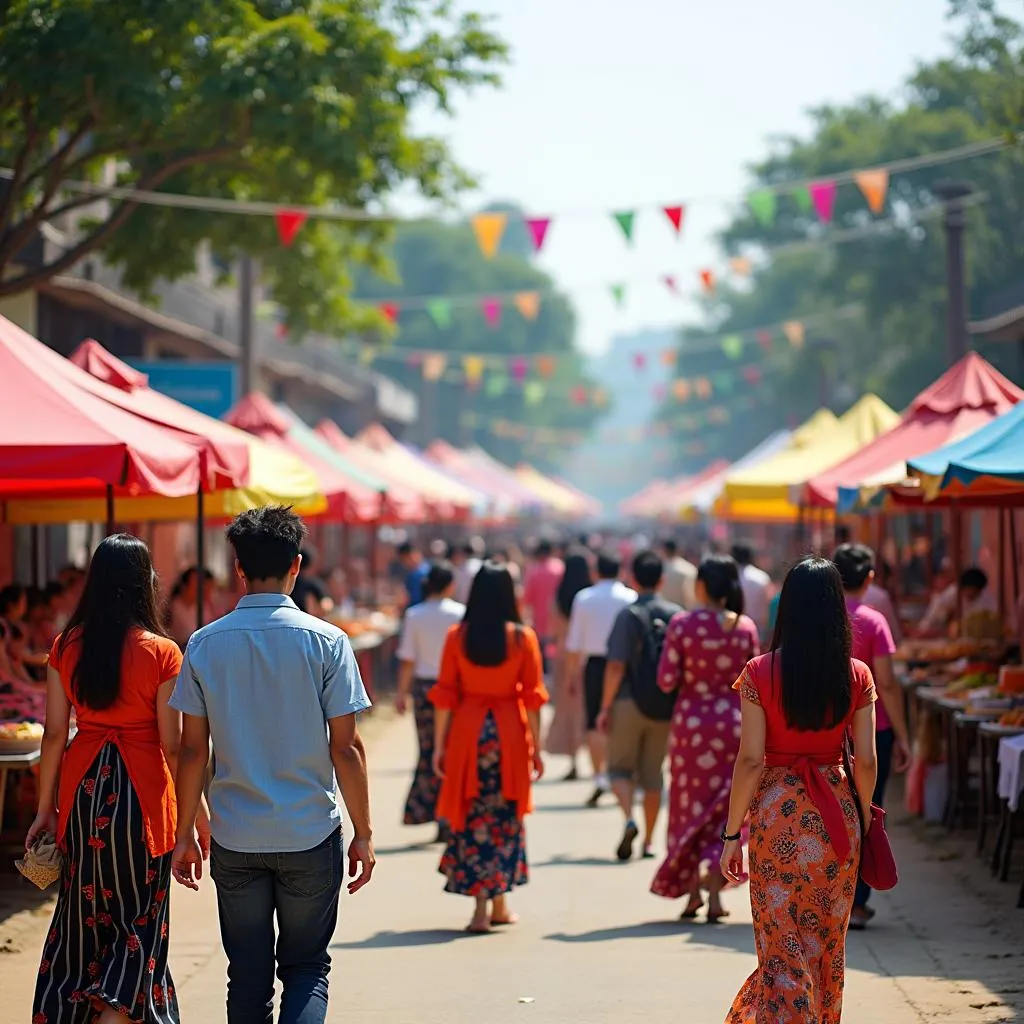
pixel 58 440
pixel 964 398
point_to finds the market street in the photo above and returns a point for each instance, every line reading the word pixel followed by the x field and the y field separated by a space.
pixel 593 945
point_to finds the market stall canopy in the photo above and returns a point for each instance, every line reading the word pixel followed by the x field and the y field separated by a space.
pixel 504 491
pixel 551 493
pixel 478 457
pixel 700 497
pixel 763 493
pixel 58 440
pixel 592 508
pixel 635 504
pixel 672 499
pixel 967 396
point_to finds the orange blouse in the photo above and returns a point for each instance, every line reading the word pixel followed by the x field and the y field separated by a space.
pixel 469 691
pixel 131 724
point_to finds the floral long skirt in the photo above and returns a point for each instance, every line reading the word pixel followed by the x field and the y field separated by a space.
pixel 421 803
pixel 108 940
pixel 801 897
pixel 488 857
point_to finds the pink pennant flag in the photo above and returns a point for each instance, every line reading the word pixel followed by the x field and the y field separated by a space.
pixel 764 339
pixel 659 391
pixel 389 310
pixel 579 395
pixel 491 308
pixel 671 284
pixel 675 215
pixel 538 228
pixel 281 331
pixel 752 374
pixel 823 196
pixel 518 368
pixel 640 360
pixel 288 224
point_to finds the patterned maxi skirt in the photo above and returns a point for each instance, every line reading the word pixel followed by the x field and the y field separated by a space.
pixel 488 857
pixel 801 897
pixel 421 803
pixel 108 940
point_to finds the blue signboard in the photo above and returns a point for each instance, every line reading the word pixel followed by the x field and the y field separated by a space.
pixel 211 388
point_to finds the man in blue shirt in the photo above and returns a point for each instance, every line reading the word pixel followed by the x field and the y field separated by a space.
pixel 278 691
pixel 416 568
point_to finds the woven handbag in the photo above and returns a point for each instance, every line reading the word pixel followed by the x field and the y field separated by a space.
pixel 877 862
pixel 43 861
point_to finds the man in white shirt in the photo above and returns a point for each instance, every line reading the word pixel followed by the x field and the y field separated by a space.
pixel 679 577
pixel 586 645
pixel 466 560
pixel 424 631
pixel 757 587
pixel 970 593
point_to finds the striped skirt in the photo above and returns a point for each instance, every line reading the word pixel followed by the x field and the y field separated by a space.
pixel 107 944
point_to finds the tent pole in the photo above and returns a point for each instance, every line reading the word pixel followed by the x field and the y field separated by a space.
pixel 110 509
pixel 1014 557
pixel 200 556
pixel 1001 562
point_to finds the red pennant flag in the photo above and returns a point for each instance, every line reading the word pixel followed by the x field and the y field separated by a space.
pixel 707 279
pixel 675 216
pixel 671 284
pixel 764 339
pixel 752 374
pixel 288 224
pixel 579 395
pixel 538 228
pixel 639 360
pixel 389 310
pixel 280 331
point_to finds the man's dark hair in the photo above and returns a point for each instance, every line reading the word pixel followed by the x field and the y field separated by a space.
pixel 608 565
pixel 543 549
pixel 406 548
pixel 439 578
pixel 266 541
pixel 855 562
pixel 743 554
pixel 647 569
pixel 670 547
pixel 308 558
pixel 843 535
pixel 973 577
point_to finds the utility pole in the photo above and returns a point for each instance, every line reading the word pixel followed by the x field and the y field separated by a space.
pixel 953 194
pixel 247 274
pixel 826 350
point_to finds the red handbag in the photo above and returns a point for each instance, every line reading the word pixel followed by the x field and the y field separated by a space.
pixel 877 863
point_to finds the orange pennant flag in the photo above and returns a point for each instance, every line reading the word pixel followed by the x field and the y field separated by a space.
pixel 874 185
pixel 703 387
pixel 488 228
pixel 681 389
pixel 546 366
pixel 707 279
pixel 528 304
pixel 740 266
pixel 669 356
pixel 794 332
pixel 434 366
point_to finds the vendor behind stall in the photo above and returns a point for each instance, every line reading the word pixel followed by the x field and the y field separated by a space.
pixel 959 604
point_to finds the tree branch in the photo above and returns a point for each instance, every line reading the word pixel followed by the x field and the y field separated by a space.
pixel 31 278
pixel 15 183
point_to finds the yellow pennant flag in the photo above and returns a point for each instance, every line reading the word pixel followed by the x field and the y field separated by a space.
pixel 794 332
pixel 740 266
pixel 366 355
pixel 473 366
pixel 874 185
pixel 528 304
pixel 433 366
pixel 488 228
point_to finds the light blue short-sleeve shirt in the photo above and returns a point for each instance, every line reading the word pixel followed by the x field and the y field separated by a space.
pixel 267 676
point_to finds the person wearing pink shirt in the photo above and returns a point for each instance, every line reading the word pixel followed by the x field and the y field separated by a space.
pixel 873 644
pixel 539 588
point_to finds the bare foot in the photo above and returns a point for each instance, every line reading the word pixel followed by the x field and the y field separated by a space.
pixel 693 904
pixel 501 913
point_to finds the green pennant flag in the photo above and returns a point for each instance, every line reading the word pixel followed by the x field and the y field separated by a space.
pixel 723 381
pixel 440 311
pixel 624 218
pixel 732 346
pixel 496 386
pixel 618 294
pixel 802 195
pixel 762 203
pixel 533 392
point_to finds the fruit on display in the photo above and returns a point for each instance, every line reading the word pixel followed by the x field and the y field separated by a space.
pixel 1014 718
pixel 971 681
pixel 20 731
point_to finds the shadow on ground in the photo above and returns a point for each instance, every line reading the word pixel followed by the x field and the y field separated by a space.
pixel 407 940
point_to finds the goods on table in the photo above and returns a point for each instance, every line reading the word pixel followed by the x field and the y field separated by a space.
pixel 936 650
pixel 1014 718
pixel 1011 679
pixel 19 737
pixel 971 681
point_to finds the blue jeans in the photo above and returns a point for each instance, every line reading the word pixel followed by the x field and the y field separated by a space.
pixel 302 889
pixel 885 739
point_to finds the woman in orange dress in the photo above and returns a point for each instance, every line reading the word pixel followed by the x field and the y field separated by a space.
pixel 797 704
pixel 486 746
pixel 109 800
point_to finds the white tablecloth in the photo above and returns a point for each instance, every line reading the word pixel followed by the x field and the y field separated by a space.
pixel 1011 770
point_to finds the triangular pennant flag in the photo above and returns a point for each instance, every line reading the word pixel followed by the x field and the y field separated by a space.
pixel 519 368
pixel 722 381
pixel 488 228
pixel 546 366
pixel 538 228
pixel 280 331
pixel 764 339
pixel 434 364
pixel 874 185
pixel 473 366
pixel 763 203
pixel 681 388
pixel 414 359
pixel 528 304
pixel 671 284
pixel 658 392
pixel 496 385
pixel 752 374
pixel 624 218
pixel 732 346
pixel 703 387
pixel 599 397
pixel 288 224
pixel 389 310
pixel 669 356
pixel 794 331
pixel 802 198
pixel 741 266
pixel 533 392
pixel 440 311
pixel 579 395
pixel 707 280
pixel 823 196
pixel 639 360
pixel 618 294
pixel 491 308
pixel 675 216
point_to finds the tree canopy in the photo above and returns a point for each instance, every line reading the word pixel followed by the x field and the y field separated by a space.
pixel 303 102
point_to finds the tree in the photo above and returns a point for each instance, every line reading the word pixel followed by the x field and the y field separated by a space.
pixel 302 103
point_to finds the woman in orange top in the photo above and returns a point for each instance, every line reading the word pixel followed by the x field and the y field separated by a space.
pixel 488 698
pixel 113 809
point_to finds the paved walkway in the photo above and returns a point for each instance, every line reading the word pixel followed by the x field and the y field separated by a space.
pixel 594 946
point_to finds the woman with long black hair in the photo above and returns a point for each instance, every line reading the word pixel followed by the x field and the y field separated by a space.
pixel 108 798
pixel 486 746
pixel 798 702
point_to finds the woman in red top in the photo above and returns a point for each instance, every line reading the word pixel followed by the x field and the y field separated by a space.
pixel 488 698
pixel 113 809
pixel 797 704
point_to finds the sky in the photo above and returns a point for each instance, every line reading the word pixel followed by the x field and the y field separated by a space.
pixel 611 105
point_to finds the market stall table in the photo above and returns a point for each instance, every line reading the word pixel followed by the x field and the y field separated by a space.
pixel 14 762
pixel 990 735
pixel 1011 786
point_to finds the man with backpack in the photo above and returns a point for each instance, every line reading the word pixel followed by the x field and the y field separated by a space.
pixel 635 712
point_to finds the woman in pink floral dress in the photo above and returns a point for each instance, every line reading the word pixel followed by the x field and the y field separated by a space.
pixel 705 651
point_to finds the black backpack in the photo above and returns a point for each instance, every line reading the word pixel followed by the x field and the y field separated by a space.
pixel 648 696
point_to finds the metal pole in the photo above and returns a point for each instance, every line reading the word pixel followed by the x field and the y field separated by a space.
pixel 247 272
pixel 200 556
pixel 110 510
pixel 953 193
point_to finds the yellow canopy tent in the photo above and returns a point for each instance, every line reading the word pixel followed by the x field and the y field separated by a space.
pixel 552 494
pixel 764 493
